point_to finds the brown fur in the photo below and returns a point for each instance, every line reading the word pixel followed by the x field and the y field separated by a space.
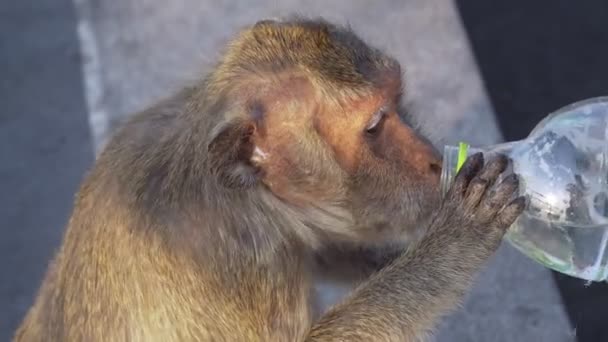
pixel 213 215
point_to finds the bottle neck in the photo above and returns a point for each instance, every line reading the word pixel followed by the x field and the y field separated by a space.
pixel 455 156
pixel 452 160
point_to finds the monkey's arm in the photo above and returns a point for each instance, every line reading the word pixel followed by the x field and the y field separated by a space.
pixel 403 301
pixel 400 302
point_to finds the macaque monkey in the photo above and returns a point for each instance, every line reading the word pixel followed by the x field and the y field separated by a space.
pixel 213 215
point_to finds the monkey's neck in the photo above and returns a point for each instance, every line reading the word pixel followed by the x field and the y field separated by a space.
pixel 191 208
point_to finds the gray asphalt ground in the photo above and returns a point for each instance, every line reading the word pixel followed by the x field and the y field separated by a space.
pixel 44 143
pixel 136 51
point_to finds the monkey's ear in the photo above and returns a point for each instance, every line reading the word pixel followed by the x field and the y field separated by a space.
pixel 230 149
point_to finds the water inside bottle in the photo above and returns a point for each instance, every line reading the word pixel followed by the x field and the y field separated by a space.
pixel 576 251
pixel 563 170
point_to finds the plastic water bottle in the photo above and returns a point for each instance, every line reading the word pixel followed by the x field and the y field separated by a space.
pixel 563 171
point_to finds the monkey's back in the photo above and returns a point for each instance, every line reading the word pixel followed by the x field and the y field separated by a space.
pixel 138 263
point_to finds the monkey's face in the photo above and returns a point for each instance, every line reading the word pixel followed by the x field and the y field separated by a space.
pixel 392 173
pixel 352 158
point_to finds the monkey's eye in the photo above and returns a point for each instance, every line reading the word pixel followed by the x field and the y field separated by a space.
pixel 374 127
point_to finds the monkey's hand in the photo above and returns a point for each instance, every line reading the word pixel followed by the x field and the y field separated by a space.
pixel 476 212
pixel 403 301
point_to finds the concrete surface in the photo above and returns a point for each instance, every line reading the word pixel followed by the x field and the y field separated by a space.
pixel 148 47
pixel 44 143
pixel 138 50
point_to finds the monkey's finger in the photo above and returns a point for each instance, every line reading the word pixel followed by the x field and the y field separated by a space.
pixel 467 172
pixel 494 168
pixel 511 212
pixel 486 177
pixel 475 191
pixel 498 197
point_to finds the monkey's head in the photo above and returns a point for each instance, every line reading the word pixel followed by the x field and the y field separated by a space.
pixel 311 115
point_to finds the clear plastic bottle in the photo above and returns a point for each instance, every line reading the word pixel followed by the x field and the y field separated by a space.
pixel 563 170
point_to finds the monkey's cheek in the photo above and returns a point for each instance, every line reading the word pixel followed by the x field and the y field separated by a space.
pixel 284 192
